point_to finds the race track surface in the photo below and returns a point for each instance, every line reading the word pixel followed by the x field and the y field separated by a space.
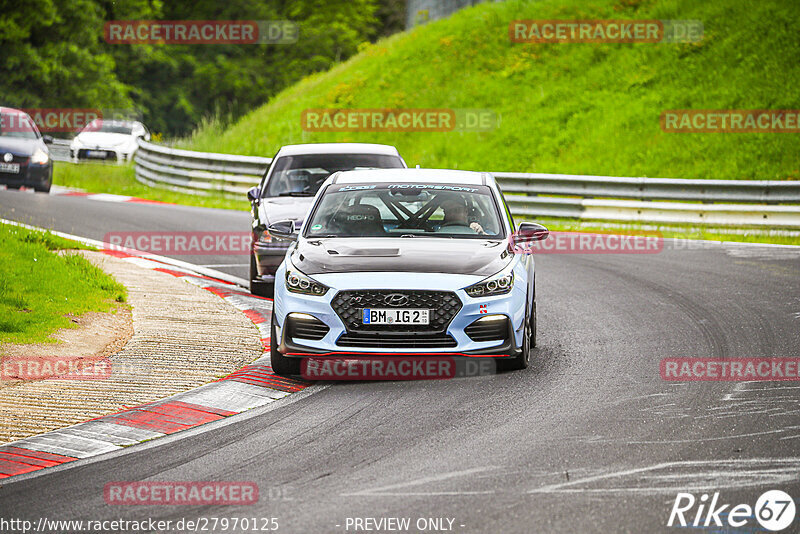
pixel 589 439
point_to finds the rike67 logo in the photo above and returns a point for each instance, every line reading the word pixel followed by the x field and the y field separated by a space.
pixel 774 511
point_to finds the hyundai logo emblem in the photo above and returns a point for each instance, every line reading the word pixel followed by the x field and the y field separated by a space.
pixel 395 299
pixel 8 157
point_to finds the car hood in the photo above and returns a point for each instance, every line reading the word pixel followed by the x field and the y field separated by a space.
pixel 103 139
pixel 19 147
pixel 414 255
pixel 274 209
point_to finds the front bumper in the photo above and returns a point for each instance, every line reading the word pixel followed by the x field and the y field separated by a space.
pixel 511 305
pixel 101 154
pixel 269 256
pixel 30 175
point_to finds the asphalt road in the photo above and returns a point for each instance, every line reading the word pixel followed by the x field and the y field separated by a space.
pixel 95 219
pixel 589 439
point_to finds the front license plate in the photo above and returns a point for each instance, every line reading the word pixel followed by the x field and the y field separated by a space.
pixel 96 153
pixel 9 167
pixel 395 316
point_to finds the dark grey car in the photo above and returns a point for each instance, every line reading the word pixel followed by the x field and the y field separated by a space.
pixel 24 156
pixel 287 191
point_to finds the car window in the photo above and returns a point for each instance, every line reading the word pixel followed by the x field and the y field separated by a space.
pixel 406 209
pixel 303 175
pixel 100 125
pixel 17 125
pixel 508 211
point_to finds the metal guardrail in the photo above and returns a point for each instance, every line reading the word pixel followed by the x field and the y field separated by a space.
pixel 756 191
pixel 660 200
pixel 199 173
pixel 700 202
pixel 59 150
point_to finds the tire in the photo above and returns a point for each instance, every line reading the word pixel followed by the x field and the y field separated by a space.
pixel 15 187
pixel 42 188
pixel 528 342
pixel 281 365
pixel 258 288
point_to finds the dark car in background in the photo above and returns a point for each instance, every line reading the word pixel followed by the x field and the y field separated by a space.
pixel 287 190
pixel 24 156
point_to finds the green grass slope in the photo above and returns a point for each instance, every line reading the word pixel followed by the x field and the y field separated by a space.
pixel 39 288
pixel 579 108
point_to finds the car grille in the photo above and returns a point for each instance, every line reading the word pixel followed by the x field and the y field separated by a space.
pixel 482 330
pixel 443 306
pixel 312 329
pixel 395 341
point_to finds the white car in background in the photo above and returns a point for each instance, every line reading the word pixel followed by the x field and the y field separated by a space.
pixel 108 140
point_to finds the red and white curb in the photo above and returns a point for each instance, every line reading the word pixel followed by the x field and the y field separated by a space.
pixel 61 191
pixel 103 197
pixel 252 386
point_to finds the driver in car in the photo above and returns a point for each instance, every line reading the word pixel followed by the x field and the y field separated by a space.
pixel 298 181
pixel 455 214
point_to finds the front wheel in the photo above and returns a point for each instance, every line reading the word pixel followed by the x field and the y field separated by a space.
pixel 522 360
pixel 281 365
pixel 45 188
pixel 257 287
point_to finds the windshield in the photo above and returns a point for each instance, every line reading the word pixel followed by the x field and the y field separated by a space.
pixel 406 210
pixel 17 125
pixel 109 127
pixel 303 175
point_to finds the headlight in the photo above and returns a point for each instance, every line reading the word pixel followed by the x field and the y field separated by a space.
pixel 265 238
pixel 497 284
pixel 297 282
pixel 40 157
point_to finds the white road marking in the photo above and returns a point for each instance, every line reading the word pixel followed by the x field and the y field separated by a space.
pixel 703 474
pixel 106 197
pixel 694 440
pixel 424 480
pixel 147 264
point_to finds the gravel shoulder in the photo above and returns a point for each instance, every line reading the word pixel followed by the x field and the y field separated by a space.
pixel 176 337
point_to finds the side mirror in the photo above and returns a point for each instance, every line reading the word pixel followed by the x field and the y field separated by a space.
pixel 284 230
pixel 252 194
pixel 147 137
pixel 528 232
pixel 48 139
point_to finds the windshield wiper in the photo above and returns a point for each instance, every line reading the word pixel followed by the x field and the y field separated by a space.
pixel 297 194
